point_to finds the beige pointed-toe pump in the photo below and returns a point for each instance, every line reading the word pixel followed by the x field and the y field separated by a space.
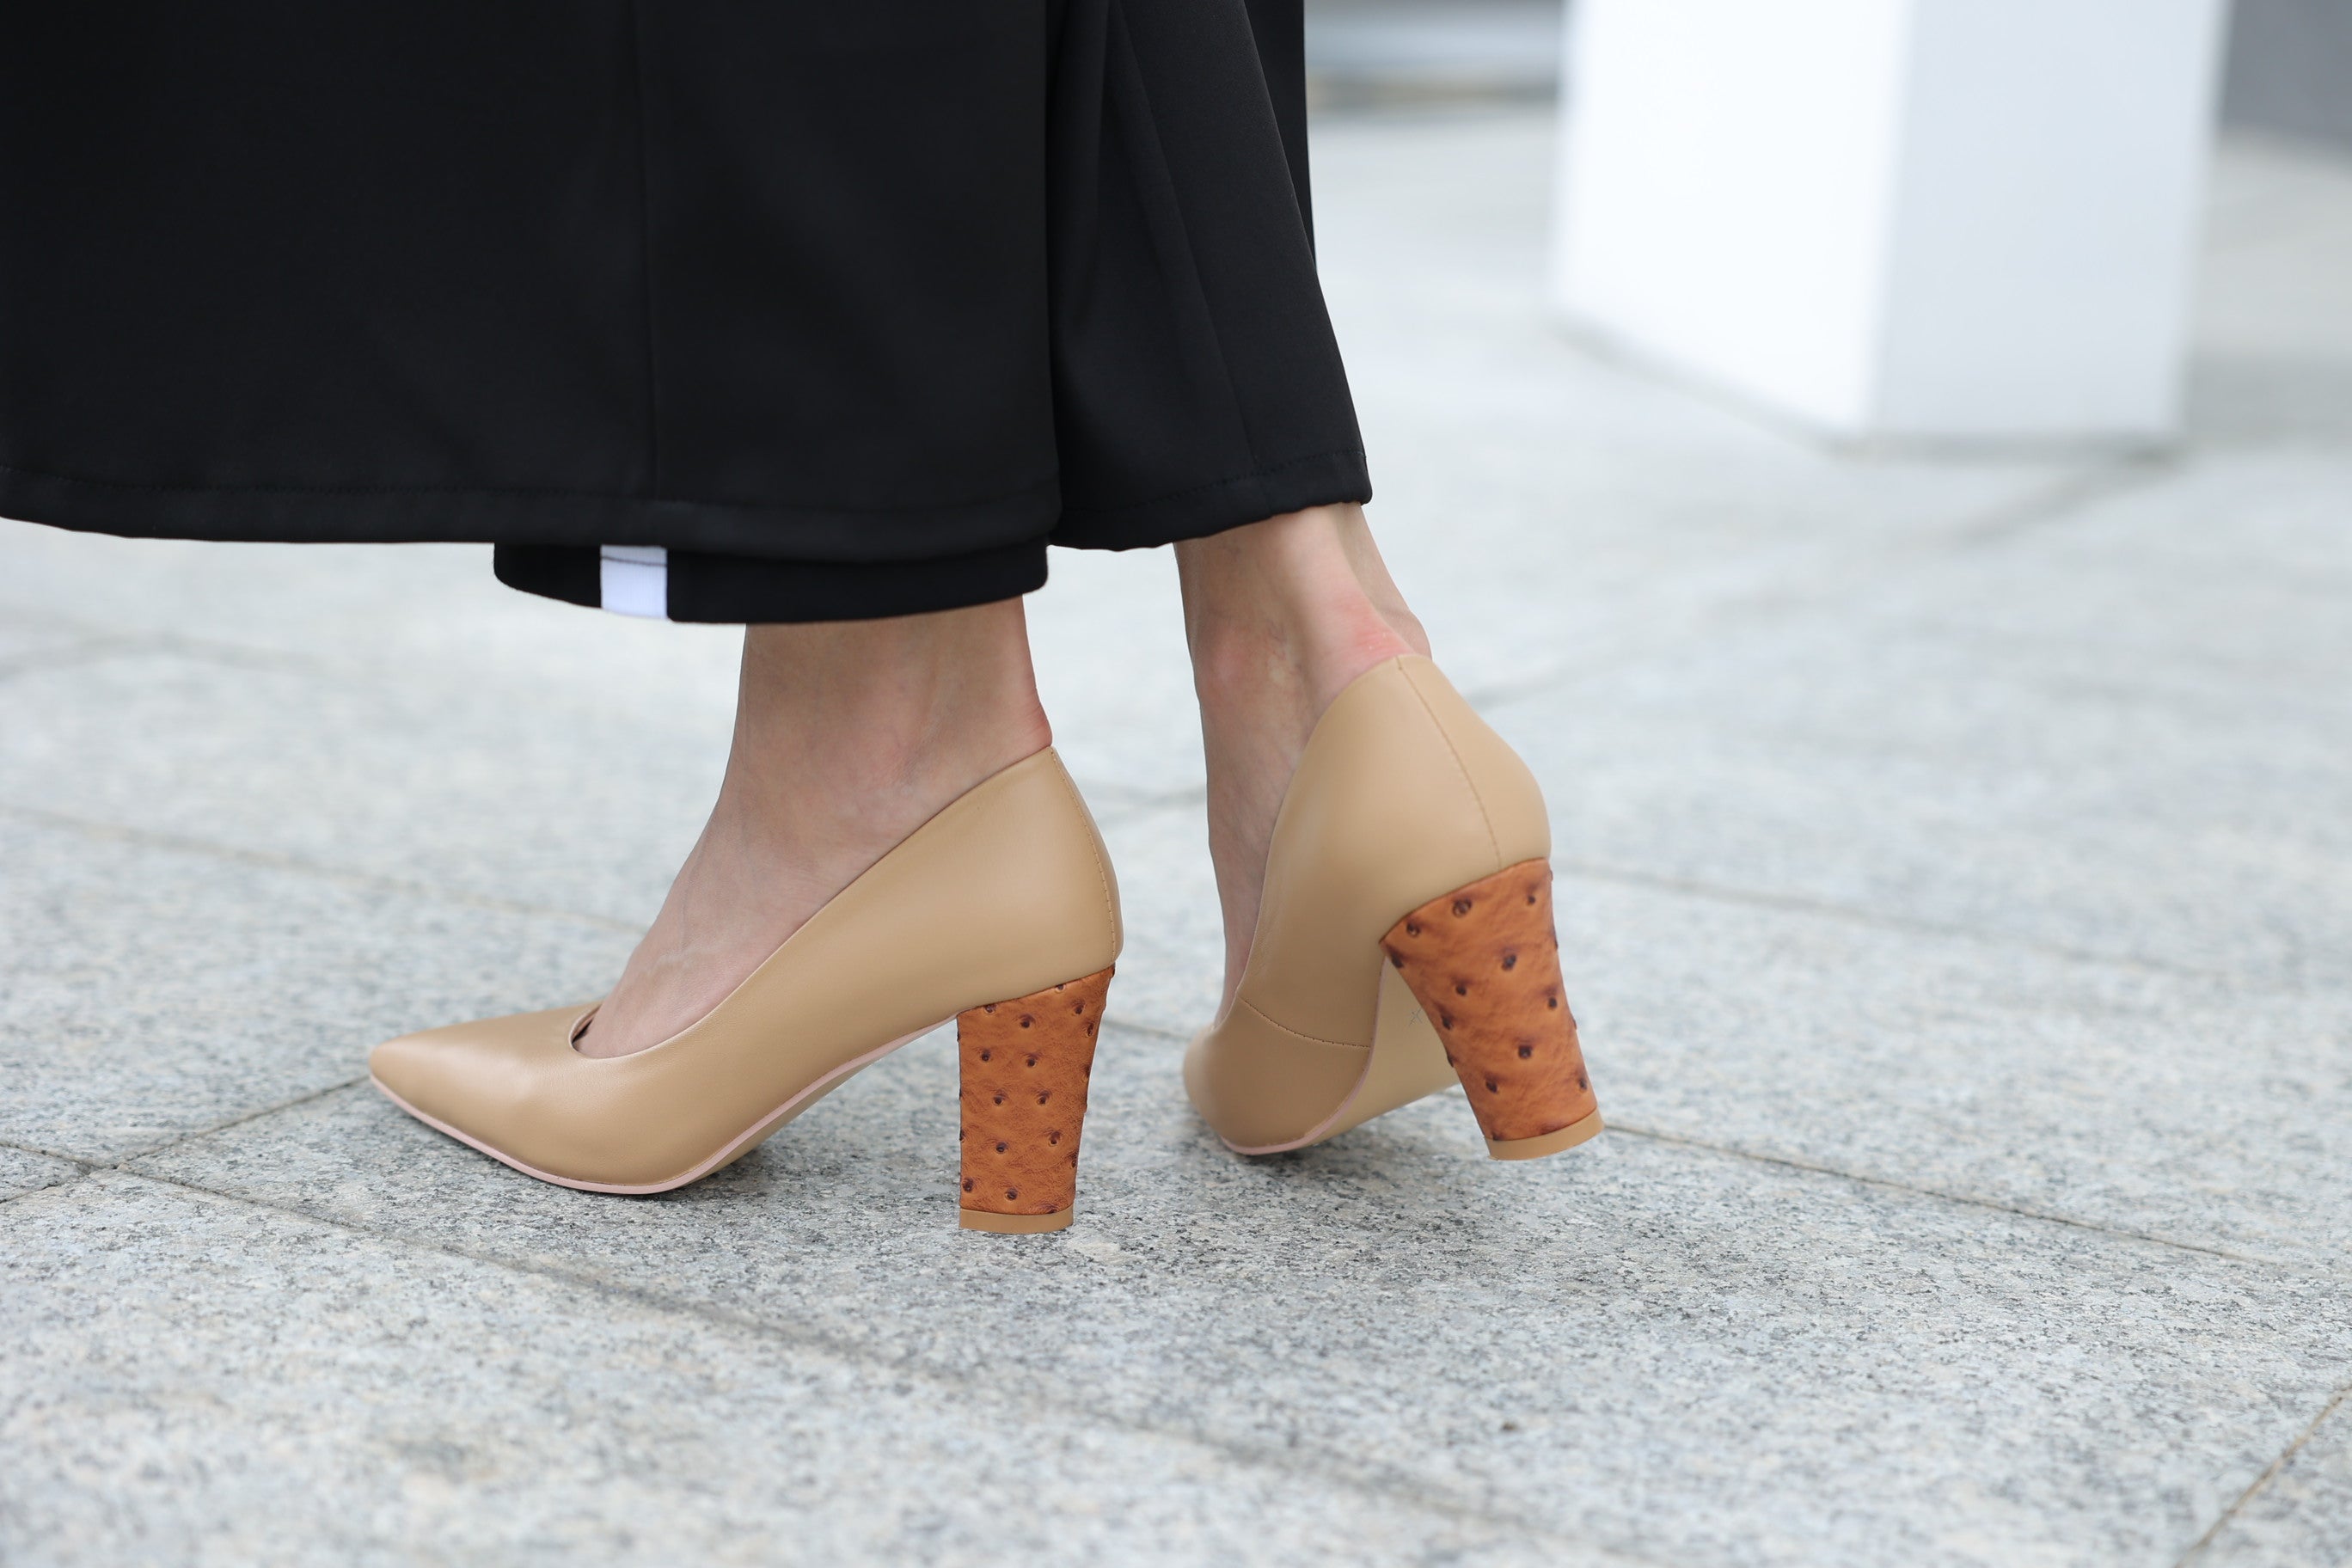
pixel 1404 941
pixel 1000 912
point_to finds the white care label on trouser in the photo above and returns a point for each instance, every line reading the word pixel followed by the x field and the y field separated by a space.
pixel 634 579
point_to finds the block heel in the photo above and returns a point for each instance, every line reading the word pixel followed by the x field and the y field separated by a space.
pixel 1484 963
pixel 1025 1067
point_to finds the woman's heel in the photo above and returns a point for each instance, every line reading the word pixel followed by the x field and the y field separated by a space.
pixel 1344 1011
pixel 1484 963
pixel 1025 1069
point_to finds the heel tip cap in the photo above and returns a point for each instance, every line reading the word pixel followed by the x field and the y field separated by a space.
pixel 1567 1138
pixel 1015 1224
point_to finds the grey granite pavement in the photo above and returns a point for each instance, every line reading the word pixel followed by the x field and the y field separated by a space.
pixel 2304 1512
pixel 152 989
pixel 1957 881
pixel 21 1172
pixel 217 1381
pixel 1673 1352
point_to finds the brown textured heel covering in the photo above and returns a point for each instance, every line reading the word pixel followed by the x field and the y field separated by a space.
pixel 1484 963
pixel 1024 1069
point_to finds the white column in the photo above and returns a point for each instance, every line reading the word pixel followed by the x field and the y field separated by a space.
pixel 1969 220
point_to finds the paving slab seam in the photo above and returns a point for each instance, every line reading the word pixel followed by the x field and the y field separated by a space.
pixel 271 860
pixel 1859 914
pixel 2197 1548
pixel 147 838
pixel 52 1154
pixel 2078 489
pixel 2267 443
pixel 91 650
pixel 80 1172
pixel 1334 1470
pixel 1964 1199
pixel 2064 499
pixel 119 832
pixel 1114 1019
pixel 122 1162
pixel 1565 866
pixel 237 656
pixel 2267 698
pixel 79 654
pixel 102 646
pixel 1568 868
pixel 359 674
pixel 210 651
pixel 1341 1472
pixel 7 1198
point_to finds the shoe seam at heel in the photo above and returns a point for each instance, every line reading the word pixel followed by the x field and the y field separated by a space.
pixel 1115 928
pixel 1298 1034
pixel 1485 818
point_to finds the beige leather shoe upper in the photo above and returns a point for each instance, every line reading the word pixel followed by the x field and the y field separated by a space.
pixel 1005 892
pixel 1403 794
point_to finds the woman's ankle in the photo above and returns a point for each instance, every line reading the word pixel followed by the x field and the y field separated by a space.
pixel 917 702
pixel 1281 615
pixel 1302 598
pixel 847 738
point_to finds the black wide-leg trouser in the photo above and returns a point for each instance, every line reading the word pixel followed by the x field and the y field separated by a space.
pixel 729 311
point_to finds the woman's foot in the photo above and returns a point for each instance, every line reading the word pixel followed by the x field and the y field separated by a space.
pixel 848 736
pixel 1281 617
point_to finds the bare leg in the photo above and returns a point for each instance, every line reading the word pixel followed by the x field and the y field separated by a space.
pixel 1281 615
pixel 848 736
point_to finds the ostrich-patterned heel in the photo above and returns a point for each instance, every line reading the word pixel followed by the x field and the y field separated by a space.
pixel 1025 1064
pixel 1484 963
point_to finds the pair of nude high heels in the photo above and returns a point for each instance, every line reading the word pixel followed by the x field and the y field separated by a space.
pixel 1404 941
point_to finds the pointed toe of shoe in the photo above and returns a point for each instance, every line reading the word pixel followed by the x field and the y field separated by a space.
pixel 466 1078
pixel 408 1067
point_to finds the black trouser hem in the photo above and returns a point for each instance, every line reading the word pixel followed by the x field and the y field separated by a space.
pixel 359 514
pixel 753 591
pixel 1327 478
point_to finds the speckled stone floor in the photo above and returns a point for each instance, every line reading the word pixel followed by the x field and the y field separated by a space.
pixel 1956 887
